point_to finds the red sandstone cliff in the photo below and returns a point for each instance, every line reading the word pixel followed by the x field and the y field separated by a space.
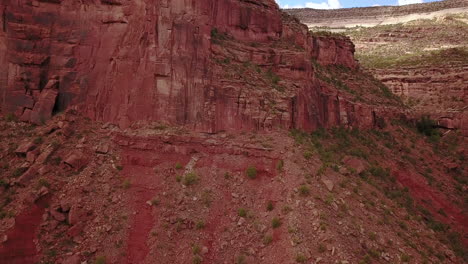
pixel 122 61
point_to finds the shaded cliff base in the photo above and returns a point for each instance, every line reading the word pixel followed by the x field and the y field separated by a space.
pixel 166 194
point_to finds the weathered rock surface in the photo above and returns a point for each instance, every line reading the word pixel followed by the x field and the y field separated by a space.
pixel 440 92
pixel 123 62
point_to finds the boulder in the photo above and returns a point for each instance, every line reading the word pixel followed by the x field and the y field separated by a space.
pixel 43 108
pixel 58 215
pixel 355 164
pixel 30 174
pixel 25 148
pixel 328 183
pixel 42 158
pixel 76 160
pixel 76 215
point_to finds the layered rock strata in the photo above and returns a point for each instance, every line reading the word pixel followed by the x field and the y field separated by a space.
pixel 122 62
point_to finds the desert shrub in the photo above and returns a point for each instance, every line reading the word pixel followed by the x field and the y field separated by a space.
pixel 275 222
pixel 269 207
pixel 251 172
pixel 197 260
pixel 267 239
pixel 18 172
pixel 38 140
pixel 272 76
pixel 304 190
pixel 300 258
pixel 126 184
pixel 190 179
pixel 280 165
pixel 242 212
pixel 427 126
pixel 200 224
pixel 100 260
pixel 10 118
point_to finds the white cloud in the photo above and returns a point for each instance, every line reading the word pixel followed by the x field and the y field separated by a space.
pixel 408 2
pixel 330 4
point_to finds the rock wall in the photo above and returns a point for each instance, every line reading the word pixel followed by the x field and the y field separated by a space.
pixel 441 92
pixel 126 61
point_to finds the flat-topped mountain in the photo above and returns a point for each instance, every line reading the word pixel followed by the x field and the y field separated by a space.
pixel 378 15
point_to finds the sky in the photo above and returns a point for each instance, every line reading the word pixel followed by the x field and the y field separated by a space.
pixel 332 4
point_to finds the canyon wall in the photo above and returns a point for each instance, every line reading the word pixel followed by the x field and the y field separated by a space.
pixel 126 61
pixel 440 92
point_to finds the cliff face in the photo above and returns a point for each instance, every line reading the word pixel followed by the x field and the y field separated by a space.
pixel 440 92
pixel 170 61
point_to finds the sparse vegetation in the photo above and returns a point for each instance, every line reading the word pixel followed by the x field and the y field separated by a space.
pixel 100 260
pixel 267 239
pixel 270 206
pixel 242 212
pixel 304 190
pixel 251 172
pixel 428 127
pixel 280 165
pixel 190 179
pixel 126 184
pixel 275 222
pixel 18 172
pixel 300 258
pixel 200 224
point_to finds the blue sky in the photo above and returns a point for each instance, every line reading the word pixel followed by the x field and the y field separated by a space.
pixel 330 4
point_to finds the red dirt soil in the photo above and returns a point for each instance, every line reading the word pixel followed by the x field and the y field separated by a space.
pixel 435 200
pixel 20 247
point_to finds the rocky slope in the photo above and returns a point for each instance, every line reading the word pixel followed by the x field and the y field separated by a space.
pixel 76 190
pixel 307 158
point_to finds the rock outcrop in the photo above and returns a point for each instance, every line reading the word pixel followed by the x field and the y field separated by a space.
pixel 440 92
pixel 171 61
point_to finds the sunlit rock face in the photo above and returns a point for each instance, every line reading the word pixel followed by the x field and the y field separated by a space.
pixel 128 61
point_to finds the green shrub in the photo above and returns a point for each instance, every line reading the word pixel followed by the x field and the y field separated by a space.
pixel 307 154
pixel 269 208
pixel 44 183
pixel 200 224
pixel 126 184
pixel 251 172
pixel 304 190
pixel 18 172
pixel 267 239
pixel 242 212
pixel 427 126
pixel 301 258
pixel 190 179
pixel 275 222
pixel 321 248
pixel 272 76
pixel 178 166
pixel 280 165
pixel 10 118
pixel 100 260
pixel 38 140
pixel 197 260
